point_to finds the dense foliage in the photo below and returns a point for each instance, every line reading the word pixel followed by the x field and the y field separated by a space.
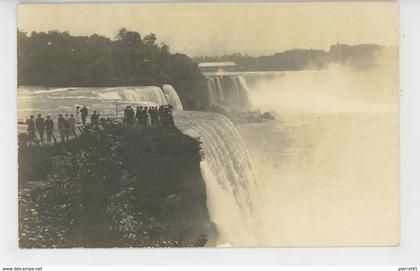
pixel 62 60
pixel 358 56
pixel 119 187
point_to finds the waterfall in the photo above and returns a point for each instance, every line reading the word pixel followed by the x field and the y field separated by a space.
pixel 232 195
pixel 228 91
pixel 231 90
pixel 56 101
pixel 243 95
pixel 211 92
pixel 143 95
pixel 172 97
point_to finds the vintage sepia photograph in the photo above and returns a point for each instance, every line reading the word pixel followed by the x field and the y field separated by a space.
pixel 162 125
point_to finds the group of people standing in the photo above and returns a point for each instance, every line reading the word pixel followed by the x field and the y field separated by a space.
pixel 144 115
pixel 66 126
pixel 83 112
pixel 149 115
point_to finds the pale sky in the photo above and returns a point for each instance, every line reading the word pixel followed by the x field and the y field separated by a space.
pixel 214 29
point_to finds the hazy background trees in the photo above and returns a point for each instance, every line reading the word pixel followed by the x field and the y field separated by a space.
pixel 362 56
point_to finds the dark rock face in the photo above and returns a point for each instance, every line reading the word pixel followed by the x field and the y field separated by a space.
pixel 123 186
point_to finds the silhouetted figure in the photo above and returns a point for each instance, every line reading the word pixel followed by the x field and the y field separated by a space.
pixel 162 114
pixel 67 127
pixel 84 113
pixel 147 114
pixel 165 114
pixel 169 117
pixel 104 121
pixel 141 116
pixel 49 127
pixel 72 124
pixel 77 114
pixel 151 115
pixel 158 116
pixel 40 126
pixel 138 114
pixel 31 128
pixel 130 115
pixel 144 116
pixel 60 125
pixel 154 116
pixel 126 113
pixel 94 118
pixel 97 118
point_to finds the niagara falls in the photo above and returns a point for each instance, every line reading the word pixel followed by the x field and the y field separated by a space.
pixel 157 132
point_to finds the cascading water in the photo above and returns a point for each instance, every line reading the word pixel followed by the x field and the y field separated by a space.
pixel 105 100
pixel 231 90
pixel 231 185
pixel 228 91
pixel 172 97
pixel 148 94
pixel 233 199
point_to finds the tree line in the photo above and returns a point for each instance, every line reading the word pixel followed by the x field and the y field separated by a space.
pixel 58 59
pixel 362 56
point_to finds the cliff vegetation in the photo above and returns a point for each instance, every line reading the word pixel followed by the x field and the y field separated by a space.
pixel 121 186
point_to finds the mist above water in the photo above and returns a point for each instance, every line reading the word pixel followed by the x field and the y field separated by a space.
pixel 336 89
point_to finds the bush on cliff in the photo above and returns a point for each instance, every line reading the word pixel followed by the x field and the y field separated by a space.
pixel 119 187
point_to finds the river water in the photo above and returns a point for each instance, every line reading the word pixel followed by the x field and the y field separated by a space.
pixel 328 166
pixel 327 179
